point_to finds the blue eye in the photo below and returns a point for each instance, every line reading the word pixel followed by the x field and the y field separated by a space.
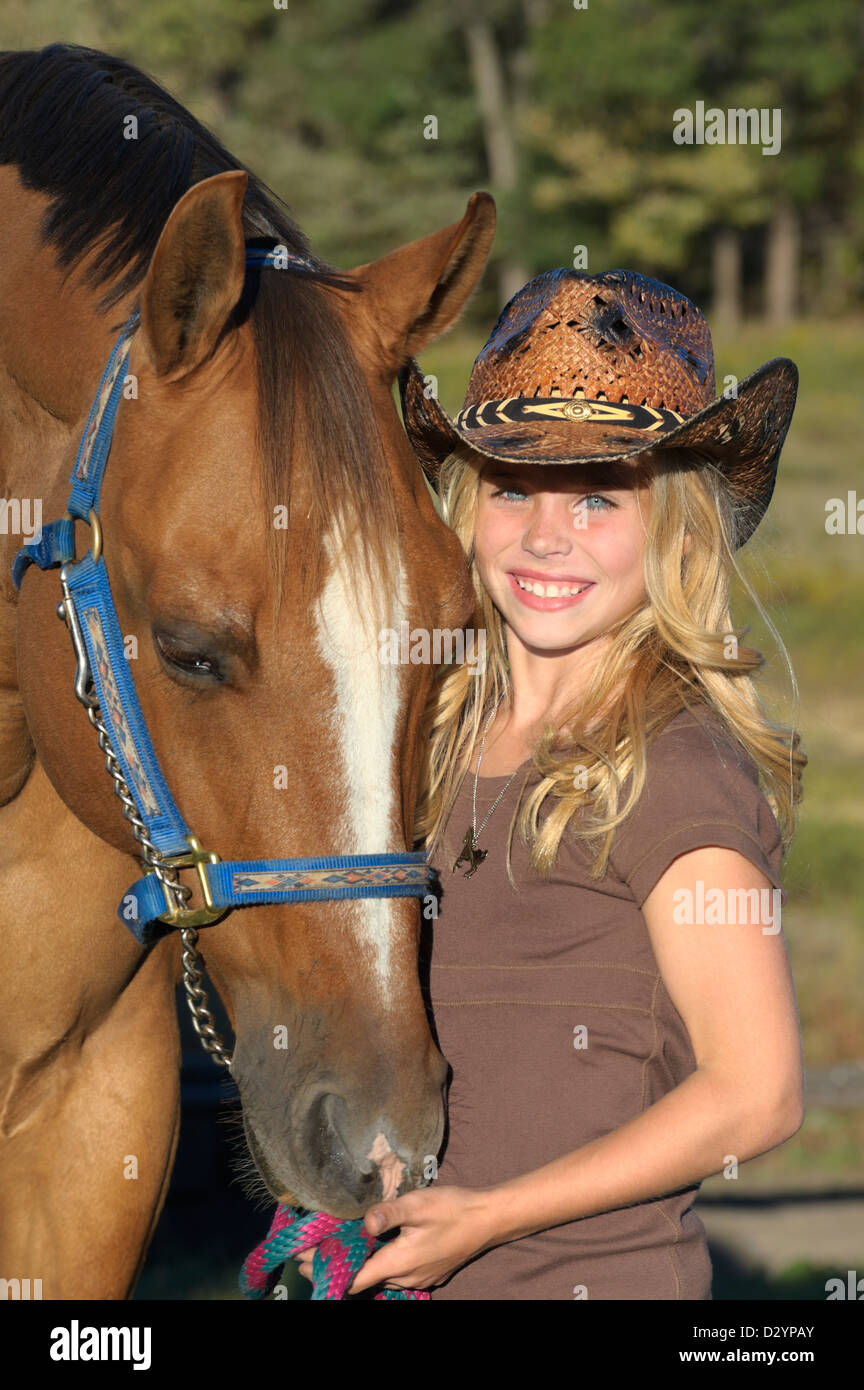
pixel 516 494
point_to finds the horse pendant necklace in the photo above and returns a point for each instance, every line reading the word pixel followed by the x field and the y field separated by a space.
pixel 471 853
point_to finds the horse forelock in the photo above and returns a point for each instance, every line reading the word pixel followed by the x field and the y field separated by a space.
pixel 114 152
pixel 315 413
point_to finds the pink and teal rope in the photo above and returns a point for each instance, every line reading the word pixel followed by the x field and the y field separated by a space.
pixel 343 1248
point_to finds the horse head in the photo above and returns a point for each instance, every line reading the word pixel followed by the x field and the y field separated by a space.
pixel 264 521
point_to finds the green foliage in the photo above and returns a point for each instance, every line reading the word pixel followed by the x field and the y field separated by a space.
pixel 327 99
pixel 608 81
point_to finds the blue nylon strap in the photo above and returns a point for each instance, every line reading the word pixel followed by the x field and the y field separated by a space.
pixel 54 547
pixel 140 907
pixel 121 711
pixel 95 447
pixel 58 537
pixel 254 882
pixel 250 881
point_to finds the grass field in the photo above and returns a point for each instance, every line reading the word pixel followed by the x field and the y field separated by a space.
pixel 812 586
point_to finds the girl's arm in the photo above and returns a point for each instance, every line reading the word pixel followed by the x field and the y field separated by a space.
pixel 733 988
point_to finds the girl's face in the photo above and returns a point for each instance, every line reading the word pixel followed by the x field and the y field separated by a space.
pixel 562 563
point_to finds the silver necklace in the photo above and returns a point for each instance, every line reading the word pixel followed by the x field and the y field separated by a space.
pixel 471 854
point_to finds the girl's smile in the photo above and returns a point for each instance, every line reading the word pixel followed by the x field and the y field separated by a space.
pixel 550 593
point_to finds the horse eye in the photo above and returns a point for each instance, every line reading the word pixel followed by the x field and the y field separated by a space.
pixel 191 663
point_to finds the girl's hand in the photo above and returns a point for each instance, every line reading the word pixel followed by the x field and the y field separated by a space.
pixel 304 1258
pixel 442 1228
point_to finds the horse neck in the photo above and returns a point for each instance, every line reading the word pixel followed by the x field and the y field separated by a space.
pixel 53 346
pixel 54 343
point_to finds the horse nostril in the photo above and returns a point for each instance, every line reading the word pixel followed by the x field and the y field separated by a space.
pixel 326 1125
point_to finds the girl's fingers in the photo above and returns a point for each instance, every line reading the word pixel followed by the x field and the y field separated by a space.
pixel 304 1261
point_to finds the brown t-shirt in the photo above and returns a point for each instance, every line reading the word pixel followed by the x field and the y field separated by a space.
pixel 516 976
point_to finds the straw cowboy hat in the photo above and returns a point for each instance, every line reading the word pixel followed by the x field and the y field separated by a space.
pixel 598 369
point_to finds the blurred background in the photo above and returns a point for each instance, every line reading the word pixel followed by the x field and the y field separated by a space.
pixel 374 120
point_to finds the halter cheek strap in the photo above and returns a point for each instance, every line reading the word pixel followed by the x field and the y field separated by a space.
pixel 156 903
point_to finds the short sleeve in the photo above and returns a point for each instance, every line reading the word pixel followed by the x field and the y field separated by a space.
pixel 701 789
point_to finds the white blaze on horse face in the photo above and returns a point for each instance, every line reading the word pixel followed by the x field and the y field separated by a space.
pixel 368 696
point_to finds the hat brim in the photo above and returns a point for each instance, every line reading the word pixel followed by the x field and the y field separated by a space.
pixel 744 433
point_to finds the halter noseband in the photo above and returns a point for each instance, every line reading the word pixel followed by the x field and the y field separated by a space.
pixel 104 685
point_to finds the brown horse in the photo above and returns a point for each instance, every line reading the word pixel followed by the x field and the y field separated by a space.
pixel 255 656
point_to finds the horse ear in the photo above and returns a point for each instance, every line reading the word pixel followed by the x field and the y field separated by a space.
pixel 415 293
pixel 196 275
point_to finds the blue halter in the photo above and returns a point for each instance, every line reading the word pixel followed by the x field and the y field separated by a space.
pixel 104 684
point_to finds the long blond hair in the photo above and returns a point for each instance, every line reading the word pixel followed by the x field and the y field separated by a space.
pixel 673 652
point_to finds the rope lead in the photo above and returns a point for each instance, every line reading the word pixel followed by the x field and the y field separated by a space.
pixel 343 1248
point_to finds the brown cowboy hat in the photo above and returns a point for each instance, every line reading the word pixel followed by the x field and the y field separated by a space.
pixel 597 369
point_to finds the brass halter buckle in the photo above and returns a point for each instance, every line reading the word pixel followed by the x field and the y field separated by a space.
pixel 181 917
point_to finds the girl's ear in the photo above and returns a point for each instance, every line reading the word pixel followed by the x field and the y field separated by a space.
pixel 687 539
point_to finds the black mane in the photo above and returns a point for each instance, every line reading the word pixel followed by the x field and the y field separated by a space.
pixel 63 113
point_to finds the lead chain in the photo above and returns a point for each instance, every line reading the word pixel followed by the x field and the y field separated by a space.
pixel 196 998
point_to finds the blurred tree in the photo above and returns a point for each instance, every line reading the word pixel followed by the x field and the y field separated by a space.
pixel 376 118
pixel 502 149
pixel 600 130
pixel 807 61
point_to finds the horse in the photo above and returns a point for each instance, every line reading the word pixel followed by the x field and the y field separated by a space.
pixel 262 520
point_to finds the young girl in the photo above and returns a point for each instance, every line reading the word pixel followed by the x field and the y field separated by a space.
pixel 609 980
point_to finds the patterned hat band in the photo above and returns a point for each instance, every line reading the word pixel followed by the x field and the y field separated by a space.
pixel 525 409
